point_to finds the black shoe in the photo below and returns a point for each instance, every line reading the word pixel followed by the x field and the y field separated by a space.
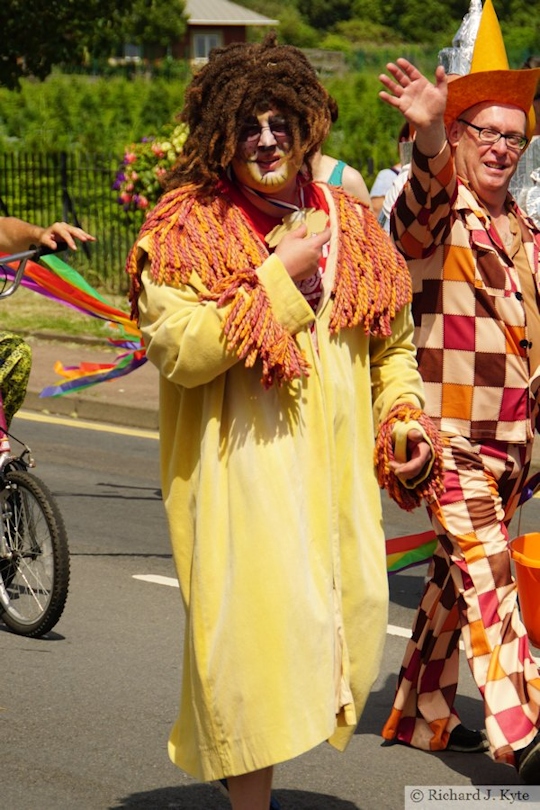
pixel 528 762
pixel 467 741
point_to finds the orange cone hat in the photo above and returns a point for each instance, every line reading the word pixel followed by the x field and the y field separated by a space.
pixel 490 78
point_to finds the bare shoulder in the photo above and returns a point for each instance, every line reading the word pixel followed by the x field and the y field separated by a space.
pixel 354 183
pixel 322 166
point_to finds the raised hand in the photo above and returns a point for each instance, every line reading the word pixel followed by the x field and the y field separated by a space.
pixel 419 100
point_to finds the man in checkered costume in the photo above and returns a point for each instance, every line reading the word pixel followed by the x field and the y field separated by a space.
pixel 474 260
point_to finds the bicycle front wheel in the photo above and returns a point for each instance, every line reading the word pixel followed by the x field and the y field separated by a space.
pixel 35 579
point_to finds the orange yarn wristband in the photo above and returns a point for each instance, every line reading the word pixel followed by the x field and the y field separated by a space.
pixel 429 488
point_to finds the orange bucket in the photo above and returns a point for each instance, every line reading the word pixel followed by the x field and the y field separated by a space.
pixel 525 552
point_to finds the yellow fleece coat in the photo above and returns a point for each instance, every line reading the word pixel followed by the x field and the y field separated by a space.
pixel 275 521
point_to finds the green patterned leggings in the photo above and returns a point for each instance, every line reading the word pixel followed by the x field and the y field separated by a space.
pixel 15 365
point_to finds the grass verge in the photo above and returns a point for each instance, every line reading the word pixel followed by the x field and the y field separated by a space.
pixel 27 312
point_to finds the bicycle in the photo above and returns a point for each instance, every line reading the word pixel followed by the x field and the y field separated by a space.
pixel 34 550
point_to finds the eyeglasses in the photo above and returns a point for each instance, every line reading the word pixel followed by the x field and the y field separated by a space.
pixel 491 136
pixel 251 133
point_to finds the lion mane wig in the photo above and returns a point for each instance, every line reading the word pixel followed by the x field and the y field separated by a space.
pixel 238 81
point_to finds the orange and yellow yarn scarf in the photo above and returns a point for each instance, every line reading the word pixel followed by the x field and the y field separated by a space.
pixel 214 240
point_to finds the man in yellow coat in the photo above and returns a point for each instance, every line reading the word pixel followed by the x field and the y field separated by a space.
pixel 277 312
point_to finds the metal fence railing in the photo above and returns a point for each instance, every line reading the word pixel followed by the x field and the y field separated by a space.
pixel 77 188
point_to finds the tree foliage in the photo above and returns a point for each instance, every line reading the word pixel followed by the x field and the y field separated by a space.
pixel 431 22
pixel 38 35
pixel 324 14
pixel 154 23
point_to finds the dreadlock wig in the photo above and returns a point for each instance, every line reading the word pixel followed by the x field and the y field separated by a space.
pixel 238 81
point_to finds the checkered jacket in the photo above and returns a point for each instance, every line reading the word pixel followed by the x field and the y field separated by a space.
pixel 470 328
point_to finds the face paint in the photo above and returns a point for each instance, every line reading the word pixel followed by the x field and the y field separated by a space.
pixel 263 160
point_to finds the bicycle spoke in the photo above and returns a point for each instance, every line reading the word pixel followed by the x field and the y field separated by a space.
pixel 36 576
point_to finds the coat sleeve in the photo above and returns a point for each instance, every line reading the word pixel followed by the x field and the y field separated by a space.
pixel 398 399
pixel 420 218
pixel 183 334
pixel 394 371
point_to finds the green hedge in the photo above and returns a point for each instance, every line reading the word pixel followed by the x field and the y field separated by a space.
pixel 106 110
pixel 104 114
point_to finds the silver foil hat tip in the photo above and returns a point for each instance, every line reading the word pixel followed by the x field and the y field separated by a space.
pixel 457 59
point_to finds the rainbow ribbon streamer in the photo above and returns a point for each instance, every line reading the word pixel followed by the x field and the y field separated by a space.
pixel 409 550
pixel 416 549
pixel 55 279
pixel 85 375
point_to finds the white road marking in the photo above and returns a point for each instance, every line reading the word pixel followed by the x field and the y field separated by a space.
pixel 405 632
pixel 394 630
pixel 157 579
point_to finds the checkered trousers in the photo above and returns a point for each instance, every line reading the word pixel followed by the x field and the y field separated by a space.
pixel 471 595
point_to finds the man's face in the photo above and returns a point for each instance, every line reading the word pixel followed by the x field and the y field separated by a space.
pixel 488 167
pixel 263 160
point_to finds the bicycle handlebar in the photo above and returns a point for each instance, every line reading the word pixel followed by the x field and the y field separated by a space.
pixel 34 253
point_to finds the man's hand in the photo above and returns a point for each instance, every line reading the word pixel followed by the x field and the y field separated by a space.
pixel 418 455
pixel 421 102
pixel 17 234
pixel 301 253
pixel 63 232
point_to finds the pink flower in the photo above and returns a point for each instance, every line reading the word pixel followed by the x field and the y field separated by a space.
pixel 139 178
